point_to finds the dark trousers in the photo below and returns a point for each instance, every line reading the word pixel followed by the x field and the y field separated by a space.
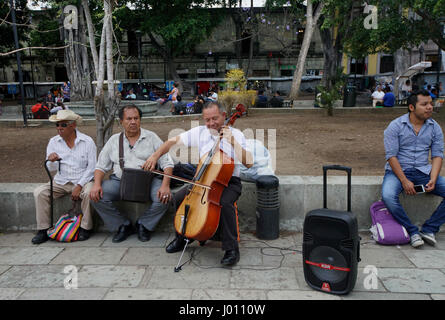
pixel 228 229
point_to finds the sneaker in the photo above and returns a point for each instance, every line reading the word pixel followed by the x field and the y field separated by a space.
pixel 429 238
pixel 416 240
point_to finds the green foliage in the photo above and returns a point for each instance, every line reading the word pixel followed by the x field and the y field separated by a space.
pixel 398 27
pixel 6 33
pixel 181 24
pixel 327 96
pixel 46 34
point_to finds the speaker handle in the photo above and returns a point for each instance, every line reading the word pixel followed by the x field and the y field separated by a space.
pixel 325 182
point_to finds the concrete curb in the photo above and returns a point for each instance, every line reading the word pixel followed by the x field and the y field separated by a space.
pixel 298 195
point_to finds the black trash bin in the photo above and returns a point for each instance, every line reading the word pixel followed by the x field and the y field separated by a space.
pixel 268 208
pixel 349 96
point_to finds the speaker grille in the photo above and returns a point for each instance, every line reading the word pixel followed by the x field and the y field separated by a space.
pixel 347 244
pixel 327 258
pixel 307 237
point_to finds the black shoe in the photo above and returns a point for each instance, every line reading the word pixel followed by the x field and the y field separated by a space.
pixel 83 234
pixel 231 257
pixel 123 233
pixel 143 233
pixel 40 237
pixel 176 245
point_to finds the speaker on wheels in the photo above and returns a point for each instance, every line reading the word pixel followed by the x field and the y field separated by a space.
pixel 331 244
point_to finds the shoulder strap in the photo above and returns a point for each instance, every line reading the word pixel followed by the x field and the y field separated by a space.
pixel 121 150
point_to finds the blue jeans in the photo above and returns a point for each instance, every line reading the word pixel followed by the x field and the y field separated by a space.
pixel 391 189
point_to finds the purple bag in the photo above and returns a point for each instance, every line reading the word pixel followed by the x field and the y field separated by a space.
pixel 385 229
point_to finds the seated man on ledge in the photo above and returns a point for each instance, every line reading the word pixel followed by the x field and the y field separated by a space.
pixel 77 152
pixel 408 140
pixel 139 144
pixel 233 143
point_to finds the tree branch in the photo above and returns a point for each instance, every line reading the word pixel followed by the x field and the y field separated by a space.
pixel 2 54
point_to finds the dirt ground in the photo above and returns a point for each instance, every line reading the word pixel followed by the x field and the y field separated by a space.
pixel 304 142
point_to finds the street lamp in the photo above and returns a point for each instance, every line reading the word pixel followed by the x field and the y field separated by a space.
pixel 19 63
pixel 138 36
pixel 421 53
pixel 439 56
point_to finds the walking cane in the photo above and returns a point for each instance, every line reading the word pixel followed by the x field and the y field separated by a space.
pixel 51 188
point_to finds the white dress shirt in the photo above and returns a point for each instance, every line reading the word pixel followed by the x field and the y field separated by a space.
pixel 201 138
pixel 378 95
pixel 77 164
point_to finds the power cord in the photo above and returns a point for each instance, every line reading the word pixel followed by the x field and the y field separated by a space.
pixel 283 252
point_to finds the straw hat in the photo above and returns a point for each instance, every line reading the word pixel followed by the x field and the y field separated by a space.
pixel 65 115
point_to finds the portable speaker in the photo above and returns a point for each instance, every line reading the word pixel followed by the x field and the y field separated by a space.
pixel 331 245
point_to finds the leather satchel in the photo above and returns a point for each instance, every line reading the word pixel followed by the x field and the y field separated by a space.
pixel 135 183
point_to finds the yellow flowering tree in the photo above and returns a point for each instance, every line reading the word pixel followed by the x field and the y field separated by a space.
pixel 235 91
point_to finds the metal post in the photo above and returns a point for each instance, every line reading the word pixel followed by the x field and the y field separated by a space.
pixel 32 74
pixel 19 64
pixel 138 35
pixel 439 63
pixel 420 53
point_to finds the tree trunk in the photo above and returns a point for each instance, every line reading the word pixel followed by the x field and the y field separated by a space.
pixel 401 64
pixel 330 56
pixel 239 25
pixel 77 62
pixel 311 22
pixel 91 31
pixel 249 62
pixel 105 107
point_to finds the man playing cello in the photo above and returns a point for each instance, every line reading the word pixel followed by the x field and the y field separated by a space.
pixel 232 144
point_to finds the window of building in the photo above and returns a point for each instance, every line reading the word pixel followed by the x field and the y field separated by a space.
pixel 357 66
pixel 132 75
pixel 434 58
pixel 245 43
pixel 60 73
pixel 25 74
pixel 260 73
pixel 287 73
pixel 386 64
pixel 298 36
pixel 132 43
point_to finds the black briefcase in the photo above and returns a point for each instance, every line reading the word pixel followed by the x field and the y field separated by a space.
pixel 331 244
pixel 135 185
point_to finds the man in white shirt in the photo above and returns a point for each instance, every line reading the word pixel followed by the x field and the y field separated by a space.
pixel 233 144
pixel 139 144
pixel 130 95
pixel 213 96
pixel 77 154
pixel 377 96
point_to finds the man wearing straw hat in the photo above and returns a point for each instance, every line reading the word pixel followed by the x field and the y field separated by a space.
pixel 77 154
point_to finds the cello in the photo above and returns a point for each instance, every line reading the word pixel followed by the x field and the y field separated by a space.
pixel 198 215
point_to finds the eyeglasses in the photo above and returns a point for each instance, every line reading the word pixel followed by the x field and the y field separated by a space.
pixel 63 125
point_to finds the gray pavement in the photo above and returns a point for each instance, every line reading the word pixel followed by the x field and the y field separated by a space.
pixel 102 270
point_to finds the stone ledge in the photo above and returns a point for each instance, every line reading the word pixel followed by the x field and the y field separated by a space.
pixel 298 195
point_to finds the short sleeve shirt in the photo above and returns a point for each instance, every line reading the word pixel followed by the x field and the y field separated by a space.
pixel 134 157
pixel 202 138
